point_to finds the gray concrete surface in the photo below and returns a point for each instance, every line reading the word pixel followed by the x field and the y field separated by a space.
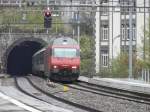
pixel 40 105
pixel 125 84
pixel 1 75
pixel 6 106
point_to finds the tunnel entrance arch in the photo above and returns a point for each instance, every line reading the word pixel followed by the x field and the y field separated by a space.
pixel 18 56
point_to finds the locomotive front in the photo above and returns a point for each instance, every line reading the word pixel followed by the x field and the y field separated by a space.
pixel 65 60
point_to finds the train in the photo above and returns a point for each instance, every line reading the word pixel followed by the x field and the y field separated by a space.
pixel 59 60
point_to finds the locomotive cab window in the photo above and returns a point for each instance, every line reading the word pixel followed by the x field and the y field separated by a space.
pixel 65 52
pixel 50 51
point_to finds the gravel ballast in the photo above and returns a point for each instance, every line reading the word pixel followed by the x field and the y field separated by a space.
pixel 25 86
pixel 99 102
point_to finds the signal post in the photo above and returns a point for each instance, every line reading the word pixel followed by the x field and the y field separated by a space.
pixel 47 18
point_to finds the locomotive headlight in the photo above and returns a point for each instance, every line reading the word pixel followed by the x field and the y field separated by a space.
pixel 74 67
pixel 55 66
pixel 55 69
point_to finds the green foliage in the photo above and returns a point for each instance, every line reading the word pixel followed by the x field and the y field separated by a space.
pixel 105 72
pixel 86 45
pixel 57 27
pixel 8 16
pixel 34 20
pixel 147 48
pixel 35 17
pixel 120 66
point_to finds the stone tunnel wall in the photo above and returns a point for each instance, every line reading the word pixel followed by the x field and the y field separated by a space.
pixel 7 41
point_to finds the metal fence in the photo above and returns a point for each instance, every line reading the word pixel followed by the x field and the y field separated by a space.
pixel 145 75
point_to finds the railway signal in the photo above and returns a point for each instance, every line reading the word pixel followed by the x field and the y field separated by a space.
pixel 47 18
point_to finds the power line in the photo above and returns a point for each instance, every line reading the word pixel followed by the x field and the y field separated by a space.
pixel 72 5
pixel 118 9
pixel 114 9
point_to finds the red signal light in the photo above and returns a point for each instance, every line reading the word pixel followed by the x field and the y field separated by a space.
pixel 47 18
pixel 47 12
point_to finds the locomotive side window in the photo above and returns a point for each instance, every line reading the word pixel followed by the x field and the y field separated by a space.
pixel 50 51
pixel 38 59
pixel 41 57
pixel 65 52
pixel 35 60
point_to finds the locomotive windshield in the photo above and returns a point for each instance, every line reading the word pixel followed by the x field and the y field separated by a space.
pixel 65 52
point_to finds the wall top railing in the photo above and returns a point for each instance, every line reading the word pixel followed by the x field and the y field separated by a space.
pixel 144 75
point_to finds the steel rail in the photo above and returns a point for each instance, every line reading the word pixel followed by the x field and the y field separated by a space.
pixel 114 92
pixel 20 89
pixel 63 100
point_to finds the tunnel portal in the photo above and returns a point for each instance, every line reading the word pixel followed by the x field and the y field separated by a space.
pixel 19 59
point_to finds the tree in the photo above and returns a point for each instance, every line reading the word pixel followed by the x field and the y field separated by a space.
pixel 146 41
pixel 147 50
pixel 121 66
pixel 86 46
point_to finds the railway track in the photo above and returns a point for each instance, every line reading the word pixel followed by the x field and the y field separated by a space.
pixel 42 95
pixel 99 100
pixel 87 97
pixel 111 92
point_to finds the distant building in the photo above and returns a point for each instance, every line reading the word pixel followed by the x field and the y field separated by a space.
pixel 112 30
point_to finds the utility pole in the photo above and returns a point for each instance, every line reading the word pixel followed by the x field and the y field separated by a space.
pixel 47 3
pixel 47 28
pixel 20 3
pixel 130 41
pixel 97 38
pixel 149 32
pixel 72 15
pixel 144 31
pixel 78 22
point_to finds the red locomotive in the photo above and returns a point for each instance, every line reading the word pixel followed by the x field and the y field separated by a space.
pixel 59 61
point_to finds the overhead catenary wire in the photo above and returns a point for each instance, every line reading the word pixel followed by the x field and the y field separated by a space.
pixel 114 9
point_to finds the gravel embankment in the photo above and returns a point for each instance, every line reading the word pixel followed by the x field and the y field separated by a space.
pixel 100 102
pixel 25 85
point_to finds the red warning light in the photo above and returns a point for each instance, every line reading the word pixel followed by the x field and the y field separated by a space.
pixel 47 12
